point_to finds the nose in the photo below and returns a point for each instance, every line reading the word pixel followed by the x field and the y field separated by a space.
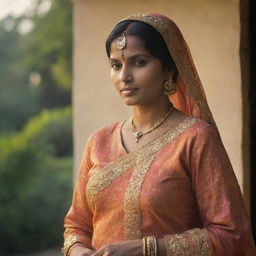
pixel 125 75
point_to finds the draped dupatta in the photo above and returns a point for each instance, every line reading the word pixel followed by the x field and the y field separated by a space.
pixel 190 97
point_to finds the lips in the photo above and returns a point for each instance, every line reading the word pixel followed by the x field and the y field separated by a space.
pixel 128 91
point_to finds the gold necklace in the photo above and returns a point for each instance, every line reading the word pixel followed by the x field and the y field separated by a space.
pixel 138 134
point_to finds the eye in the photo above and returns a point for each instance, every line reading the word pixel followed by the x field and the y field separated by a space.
pixel 115 66
pixel 140 62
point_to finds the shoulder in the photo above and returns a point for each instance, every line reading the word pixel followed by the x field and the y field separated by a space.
pixel 203 136
pixel 106 134
pixel 198 127
pixel 106 130
pixel 197 131
pixel 189 126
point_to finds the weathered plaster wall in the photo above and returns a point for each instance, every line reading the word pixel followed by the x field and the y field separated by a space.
pixel 212 30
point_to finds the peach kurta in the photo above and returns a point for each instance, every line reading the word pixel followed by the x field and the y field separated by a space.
pixel 180 186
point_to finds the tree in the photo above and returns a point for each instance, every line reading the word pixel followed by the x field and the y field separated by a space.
pixel 35 67
pixel 36 183
pixel 35 127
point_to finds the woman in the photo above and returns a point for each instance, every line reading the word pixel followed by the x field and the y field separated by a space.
pixel 161 182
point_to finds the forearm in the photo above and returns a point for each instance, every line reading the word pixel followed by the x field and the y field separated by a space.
pixel 161 250
pixel 79 249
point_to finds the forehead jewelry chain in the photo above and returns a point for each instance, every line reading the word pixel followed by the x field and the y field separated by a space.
pixel 121 42
pixel 137 134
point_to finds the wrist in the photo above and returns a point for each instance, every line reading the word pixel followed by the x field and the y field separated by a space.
pixel 136 247
pixel 76 249
pixel 150 246
pixel 161 247
pixel 153 247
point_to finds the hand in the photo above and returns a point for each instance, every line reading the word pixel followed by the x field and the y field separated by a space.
pixel 80 251
pixel 123 248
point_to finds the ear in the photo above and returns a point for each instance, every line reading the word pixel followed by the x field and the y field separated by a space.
pixel 168 74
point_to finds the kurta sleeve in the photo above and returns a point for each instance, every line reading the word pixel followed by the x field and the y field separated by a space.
pixel 226 227
pixel 78 221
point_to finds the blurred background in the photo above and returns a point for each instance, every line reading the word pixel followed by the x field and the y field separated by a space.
pixel 38 74
pixel 35 124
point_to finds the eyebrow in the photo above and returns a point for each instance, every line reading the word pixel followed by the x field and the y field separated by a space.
pixel 131 57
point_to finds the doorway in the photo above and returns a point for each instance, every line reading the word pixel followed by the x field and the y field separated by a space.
pixel 252 102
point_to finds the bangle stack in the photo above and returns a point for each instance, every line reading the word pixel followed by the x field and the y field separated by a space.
pixel 149 246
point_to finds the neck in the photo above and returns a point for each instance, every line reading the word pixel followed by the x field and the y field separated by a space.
pixel 145 117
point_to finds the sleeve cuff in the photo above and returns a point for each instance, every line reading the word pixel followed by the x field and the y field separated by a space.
pixel 69 242
pixel 191 242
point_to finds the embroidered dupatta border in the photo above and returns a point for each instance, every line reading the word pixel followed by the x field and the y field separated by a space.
pixel 132 213
pixel 182 58
pixel 142 158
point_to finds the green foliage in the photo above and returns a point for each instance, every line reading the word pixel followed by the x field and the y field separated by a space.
pixel 15 108
pixel 35 128
pixel 45 51
pixel 36 183
pixel 48 131
pixel 50 44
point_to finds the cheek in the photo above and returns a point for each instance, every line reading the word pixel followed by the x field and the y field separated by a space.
pixel 114 78
pixel 152 78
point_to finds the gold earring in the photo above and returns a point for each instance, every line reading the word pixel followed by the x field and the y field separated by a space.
pixel 169 87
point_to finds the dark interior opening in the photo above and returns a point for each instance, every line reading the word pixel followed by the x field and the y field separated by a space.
pixel 252 102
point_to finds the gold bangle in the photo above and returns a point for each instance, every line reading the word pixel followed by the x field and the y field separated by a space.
pixel 151 246
pixel 155 246
pixel 144 240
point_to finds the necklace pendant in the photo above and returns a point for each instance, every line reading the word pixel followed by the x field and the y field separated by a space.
pixel 137 135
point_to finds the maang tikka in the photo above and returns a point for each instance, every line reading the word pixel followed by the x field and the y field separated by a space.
pixel 121 42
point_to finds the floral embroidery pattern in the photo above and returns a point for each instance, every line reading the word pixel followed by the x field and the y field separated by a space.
pixel 189 243
pixel 69 242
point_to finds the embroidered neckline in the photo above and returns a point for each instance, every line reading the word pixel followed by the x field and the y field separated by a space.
pixel 172 128
pixel 100 179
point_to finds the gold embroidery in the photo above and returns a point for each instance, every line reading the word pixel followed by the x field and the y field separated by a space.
pixel 132 214
pixel 100 179
pixel 69 242
pixel 181 56
pixel 189 243
pixel 200 242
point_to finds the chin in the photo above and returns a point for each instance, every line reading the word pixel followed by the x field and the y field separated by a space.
pixel 130 101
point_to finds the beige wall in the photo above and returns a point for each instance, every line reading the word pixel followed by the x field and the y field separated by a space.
pixel 212 30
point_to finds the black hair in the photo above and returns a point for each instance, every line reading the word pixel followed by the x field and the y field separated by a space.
pixel 150 37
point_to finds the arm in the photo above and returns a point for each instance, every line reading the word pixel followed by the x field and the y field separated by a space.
pixel 226 228
pixel 78 221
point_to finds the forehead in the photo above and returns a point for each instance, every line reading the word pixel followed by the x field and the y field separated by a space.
pixel 133 46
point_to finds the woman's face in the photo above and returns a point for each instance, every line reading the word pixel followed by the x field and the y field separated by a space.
pixel 136 74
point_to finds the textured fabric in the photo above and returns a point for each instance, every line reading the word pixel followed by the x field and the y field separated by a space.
pixel 180 186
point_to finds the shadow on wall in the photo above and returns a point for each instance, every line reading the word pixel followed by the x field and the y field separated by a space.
pixel 252 102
